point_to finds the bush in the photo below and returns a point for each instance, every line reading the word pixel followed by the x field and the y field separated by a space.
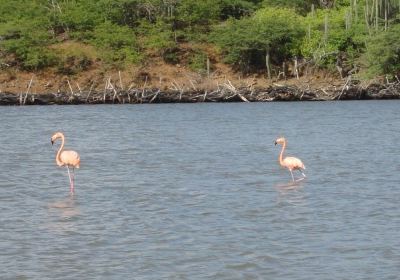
pixel 198 62
pixel 78 18
pixel 246 42
pixel 244 30
pixel 171 55
pixel 157 36
pixel 118 43
pixel 382 54
pixel 236 9
pixel 28 41
pixel 324 48
pixel 74 60
pixel 194 12
pixel 301 6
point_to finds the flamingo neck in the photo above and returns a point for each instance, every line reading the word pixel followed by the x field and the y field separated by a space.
pixel 281 154
pixel 58 159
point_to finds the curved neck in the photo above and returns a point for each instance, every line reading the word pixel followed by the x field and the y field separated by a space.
pixel 281 154
pixel 58 160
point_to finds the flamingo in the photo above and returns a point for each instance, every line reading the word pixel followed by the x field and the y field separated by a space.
pixel 291 163
pixel 66 158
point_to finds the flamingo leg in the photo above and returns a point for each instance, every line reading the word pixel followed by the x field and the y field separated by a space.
pixel 303 176
pixel 71 182
pixel 73 176
pixel 291 173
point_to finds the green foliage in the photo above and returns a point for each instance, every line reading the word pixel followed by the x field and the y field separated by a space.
pixel 27 41
pixel 74 58
pixel 235 8
pixel 158 35
pixel 383 53
pixel 118 43
pixel 327 36
pixel 130 12
pixel 194 12
pixel 198 62
pixel 14 10
pixel 159 38
pixel 171 55
pixel 246 42
pixel 278 29
pixel 300 6
pixel 119 31
pixel 78 19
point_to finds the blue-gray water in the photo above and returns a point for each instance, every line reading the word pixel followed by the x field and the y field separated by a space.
pixel 195 192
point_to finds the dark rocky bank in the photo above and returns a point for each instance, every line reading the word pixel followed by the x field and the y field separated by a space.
pixel 225 93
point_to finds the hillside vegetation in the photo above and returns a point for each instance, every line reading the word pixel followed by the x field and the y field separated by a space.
pixel 274 38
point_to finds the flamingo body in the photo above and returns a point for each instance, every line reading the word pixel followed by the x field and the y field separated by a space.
pixel 291 163
pixel 70 158
pixel 66 158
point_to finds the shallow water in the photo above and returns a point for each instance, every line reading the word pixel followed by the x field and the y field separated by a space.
pixel 194 191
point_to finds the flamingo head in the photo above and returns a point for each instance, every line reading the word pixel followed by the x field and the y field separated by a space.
pixel 280 140
pixel 56 136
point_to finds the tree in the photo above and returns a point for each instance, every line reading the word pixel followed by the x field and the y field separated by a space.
pixel 236 8
pixel 333 36
pixel 24 33
pixel 270 32
pixel 382 54
pixel 194 12
pixel 117 42
pixel 301 6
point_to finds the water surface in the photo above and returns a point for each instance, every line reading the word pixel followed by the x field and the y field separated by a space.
pixel 194 191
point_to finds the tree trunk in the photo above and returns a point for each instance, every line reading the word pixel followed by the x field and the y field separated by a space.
pixel 296 65
pixel 376 14
pixel 355 10
pixel 366 19
pixel 267 65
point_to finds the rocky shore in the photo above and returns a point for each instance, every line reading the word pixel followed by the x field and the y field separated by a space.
pixel 224 93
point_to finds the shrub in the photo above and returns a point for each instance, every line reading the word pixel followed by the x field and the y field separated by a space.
pixel 72 63
pixel 236 8
pixel 382 54
pixel 28 41
pixel 246 42
pixel 157 36
pixel 198 62
pixel 118 43
pixel 301 6
pixel 194 12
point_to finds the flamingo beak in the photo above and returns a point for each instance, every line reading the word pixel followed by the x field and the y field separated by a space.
pixel 52 142
pixel 275 143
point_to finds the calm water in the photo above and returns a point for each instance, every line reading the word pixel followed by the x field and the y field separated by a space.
pixel 195 192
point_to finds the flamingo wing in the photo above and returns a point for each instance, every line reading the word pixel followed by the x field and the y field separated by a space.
pixel 293 163
pixel 70 158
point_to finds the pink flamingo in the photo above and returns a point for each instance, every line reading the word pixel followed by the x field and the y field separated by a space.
pixel 291 163
pixel 66 158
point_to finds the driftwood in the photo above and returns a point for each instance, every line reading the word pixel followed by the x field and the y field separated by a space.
pixel 224 93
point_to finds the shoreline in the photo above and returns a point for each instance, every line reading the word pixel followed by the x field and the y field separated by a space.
pixel 226 93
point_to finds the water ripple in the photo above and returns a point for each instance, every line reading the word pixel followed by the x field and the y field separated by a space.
pixel 195 192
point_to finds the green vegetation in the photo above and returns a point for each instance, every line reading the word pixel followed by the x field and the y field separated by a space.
pixel 358 36
pixel 383 53
pixel 270 31
pixel 198 62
